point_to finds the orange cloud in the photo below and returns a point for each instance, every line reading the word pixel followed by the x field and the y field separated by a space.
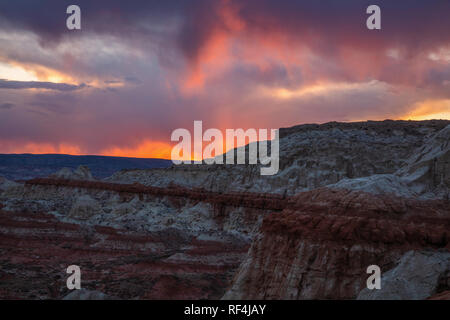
pixel 230 43
pixel 215 56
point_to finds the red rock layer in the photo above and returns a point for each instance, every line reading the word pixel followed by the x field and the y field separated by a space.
pixel 36 249
pixel 320 246
pixel 317 246
pixel 441 296
pixel 357 217
pixel 238 199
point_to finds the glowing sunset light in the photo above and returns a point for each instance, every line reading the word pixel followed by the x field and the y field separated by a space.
pixel 318 89
pixel 136 72
pixel 16 73
pixel 432 109
pixel 146 149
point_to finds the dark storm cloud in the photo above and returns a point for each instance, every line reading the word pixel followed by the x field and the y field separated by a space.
pixel 325 24
pixel 47 18
pixel 7 84
pixel 6 105
pixel 173 30
pixel 133 80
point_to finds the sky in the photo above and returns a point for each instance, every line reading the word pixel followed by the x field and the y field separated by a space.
pixel 137 70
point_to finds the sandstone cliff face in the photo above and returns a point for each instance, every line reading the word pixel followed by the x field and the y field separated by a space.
pixel 316 246
pixel 417 276
pixel 36 249
pixel 130 241
pixel 139 207
pixel 320 246
pixel 6 184
pixel 428 169
pixel 81 173
pixel 312 156
pixel 441 296
pixel 347 196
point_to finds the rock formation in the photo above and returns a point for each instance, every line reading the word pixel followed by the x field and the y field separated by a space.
pixel 320 246
pixel 313 156
pixel 417 276
pixel 6 184
pixel 348 195
pixel 37 248
pixel 81 173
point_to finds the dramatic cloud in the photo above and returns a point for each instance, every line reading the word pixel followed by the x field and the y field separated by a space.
pixel 6 84
pixel 6 105
pixel 139 69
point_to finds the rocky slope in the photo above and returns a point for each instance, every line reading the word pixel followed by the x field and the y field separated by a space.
pixel 417 276
pixel 130 241
pixel 321 244
pixel 36 249
pixel 348 195
pixel 313 156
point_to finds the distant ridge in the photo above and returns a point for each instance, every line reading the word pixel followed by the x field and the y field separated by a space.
pixel 28 166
